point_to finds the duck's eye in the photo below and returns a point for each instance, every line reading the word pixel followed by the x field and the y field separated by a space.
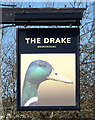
pixel 55 73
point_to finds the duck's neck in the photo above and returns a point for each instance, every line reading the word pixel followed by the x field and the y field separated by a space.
pixel 29 91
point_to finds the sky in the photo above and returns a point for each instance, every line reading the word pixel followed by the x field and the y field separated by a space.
pixel 39 3
pixel 45 0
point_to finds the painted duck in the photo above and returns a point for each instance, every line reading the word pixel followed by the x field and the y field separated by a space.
pixel 37 72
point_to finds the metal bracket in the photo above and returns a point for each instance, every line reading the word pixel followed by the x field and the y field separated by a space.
pixel 42 16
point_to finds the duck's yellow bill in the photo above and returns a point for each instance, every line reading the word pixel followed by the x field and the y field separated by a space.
pixel 56 77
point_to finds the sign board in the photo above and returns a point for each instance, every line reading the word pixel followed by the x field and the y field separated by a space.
pixel 48 68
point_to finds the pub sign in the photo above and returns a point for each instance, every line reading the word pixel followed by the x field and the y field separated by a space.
pixel 48 68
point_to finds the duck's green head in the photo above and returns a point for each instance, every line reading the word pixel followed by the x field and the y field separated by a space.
pixel 38 71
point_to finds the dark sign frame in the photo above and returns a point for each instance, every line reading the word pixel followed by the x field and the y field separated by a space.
pixel 19 107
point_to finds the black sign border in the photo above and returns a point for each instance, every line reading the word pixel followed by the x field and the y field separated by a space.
pixel 45 108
